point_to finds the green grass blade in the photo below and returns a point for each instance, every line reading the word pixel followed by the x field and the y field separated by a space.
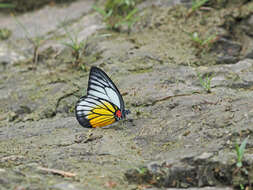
pixel 198 3
pixel 7 5
pixel 131 14
pixel 243 146
pixel 100 11
pixel 240 152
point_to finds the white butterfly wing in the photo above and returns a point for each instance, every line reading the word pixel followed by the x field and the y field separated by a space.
pixel 103 99
pixel 101 86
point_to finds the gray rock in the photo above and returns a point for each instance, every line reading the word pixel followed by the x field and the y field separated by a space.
pixel 189 172
pixel 249 55
pixel 55 15
pixel 228 51
pixel 64 186
pixel 8 56
pixel 177 135
pixel 228 47
pixel 247 26
pixel 226 59
pixel 66 105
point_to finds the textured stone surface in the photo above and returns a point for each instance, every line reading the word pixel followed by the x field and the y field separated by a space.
pixel 177 134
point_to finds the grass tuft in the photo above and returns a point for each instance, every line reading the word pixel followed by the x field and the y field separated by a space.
pixel 206 82
pixel 36 42
pixel 77 47
pixel 119 13
pixel 202 43
pixel 240 152
pixel 197 4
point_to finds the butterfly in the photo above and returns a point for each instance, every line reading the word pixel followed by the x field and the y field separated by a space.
pixel 103 104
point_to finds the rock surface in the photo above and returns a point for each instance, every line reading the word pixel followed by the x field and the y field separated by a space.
pixel 178 135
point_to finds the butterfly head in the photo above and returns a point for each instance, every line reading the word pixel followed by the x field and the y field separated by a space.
pixel 121 114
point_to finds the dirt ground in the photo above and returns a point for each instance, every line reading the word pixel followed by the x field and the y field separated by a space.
pixel 179 134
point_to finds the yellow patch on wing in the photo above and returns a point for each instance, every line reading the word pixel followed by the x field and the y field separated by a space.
pixel 101 116
pixel 102 121
pixel 108 105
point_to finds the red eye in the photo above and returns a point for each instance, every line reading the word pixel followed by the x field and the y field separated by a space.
pixel 118 114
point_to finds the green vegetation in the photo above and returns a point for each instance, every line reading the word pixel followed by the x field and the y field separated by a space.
pixel 119 13
pixel 36 42
pixel 4 33
pixel 240 152
pixel 77 48
pixel 142 171
pixel 205 83
pixel 197 4
pixel 6 5
pixel 199 42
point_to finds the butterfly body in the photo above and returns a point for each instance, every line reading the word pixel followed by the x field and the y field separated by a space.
pixel 103 104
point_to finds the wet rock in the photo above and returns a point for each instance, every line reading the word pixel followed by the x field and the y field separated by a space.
pixel 249 55
pixel 247 26
pixel 189 172
pixel 227 51
pixel 226 59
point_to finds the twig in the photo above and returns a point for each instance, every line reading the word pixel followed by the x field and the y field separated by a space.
pixel 86 139
pixel 212 103
pixel 166 98
pixel 59 172
pixel 12 158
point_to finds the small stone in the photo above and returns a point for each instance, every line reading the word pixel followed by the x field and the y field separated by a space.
pixel 64 186
pixel 226 59
pixel 227 47
pixel 2 170
pixel 247 26
pixel 154 167
pixel 4 181
pixel 12 116
pixel 23 110
pixel 249 55
pixel 205 156
pixel 228 51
